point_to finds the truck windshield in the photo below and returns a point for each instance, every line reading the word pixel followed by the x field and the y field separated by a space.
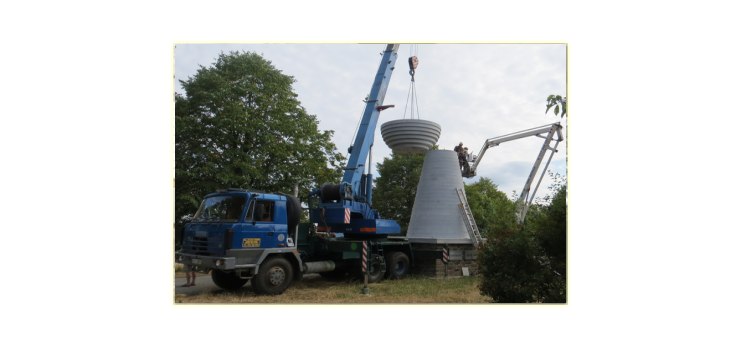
pixel 223 209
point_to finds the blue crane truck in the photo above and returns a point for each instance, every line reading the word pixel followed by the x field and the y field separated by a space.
pixel 242 235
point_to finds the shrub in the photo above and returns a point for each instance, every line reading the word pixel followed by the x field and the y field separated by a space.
pixel 512 269
pixel 528 264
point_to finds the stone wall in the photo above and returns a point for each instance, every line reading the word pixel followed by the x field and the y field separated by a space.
pixel 460 256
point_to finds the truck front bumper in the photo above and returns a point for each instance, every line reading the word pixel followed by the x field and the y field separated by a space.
pixel 205 263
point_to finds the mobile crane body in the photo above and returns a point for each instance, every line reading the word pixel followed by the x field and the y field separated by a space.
pixel 245 235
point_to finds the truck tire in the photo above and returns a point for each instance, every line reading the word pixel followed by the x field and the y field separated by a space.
pixel 375 275
pixel 274 277
pixel 227 280
pixel 297 275
pixel 293 210
pixel 397 265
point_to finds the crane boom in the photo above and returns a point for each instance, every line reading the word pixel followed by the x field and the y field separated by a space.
pixel 347 206
pixel 364 139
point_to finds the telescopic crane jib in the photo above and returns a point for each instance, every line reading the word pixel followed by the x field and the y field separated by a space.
pixel 347 206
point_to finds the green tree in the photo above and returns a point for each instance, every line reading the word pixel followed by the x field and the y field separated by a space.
pixel 528 263
pixel 558 102
pixel 493 211
pixel 513 270
pixel 550 231
pixel 396 188
pixel 240 124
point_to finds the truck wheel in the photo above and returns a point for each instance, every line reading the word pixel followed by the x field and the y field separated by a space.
pixel 375 270
pixel 228 281
pixel 275 275
pixel 397 265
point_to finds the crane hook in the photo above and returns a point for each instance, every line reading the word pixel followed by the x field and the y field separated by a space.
pixel 413 62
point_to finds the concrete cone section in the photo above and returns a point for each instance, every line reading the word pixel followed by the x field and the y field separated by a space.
pixel 436 217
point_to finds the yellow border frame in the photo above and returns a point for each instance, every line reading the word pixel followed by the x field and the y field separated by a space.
pixel 171 183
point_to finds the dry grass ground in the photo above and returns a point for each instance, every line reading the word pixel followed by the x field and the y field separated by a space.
pixel 324 291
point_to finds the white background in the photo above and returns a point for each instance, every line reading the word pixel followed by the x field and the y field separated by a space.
pixel 87 187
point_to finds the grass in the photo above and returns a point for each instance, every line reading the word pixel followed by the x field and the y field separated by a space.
pixel 318 290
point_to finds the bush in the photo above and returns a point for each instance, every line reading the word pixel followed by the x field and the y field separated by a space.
pixel 512 269
pixel 550 228
pixel 528 264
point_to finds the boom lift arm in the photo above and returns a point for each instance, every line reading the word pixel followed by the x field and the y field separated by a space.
pixel 550 130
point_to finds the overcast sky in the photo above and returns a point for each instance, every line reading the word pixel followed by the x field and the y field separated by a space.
pixel 474 91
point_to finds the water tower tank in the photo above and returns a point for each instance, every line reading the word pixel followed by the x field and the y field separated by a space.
pixel 410 136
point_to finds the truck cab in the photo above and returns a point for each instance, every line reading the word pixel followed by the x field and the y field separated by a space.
pixel 236 230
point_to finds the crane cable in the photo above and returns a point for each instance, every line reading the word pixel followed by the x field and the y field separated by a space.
pixel 407 103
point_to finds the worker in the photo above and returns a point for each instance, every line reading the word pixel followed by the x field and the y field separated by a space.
pixel 459 151
pixel 458 148
pixel 190 276
pixel 461 158
pixel 464 157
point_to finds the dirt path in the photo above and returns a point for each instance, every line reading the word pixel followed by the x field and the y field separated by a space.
pixel 205 284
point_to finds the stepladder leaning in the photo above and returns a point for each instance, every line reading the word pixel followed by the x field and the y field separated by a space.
pixel 468 220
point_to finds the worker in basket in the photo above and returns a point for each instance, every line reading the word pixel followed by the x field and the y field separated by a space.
pixel 465 156
pixel 461 158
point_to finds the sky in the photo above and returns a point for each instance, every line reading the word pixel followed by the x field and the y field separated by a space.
pixel 474 91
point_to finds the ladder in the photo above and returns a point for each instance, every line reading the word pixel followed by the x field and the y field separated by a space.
pixel 473 230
